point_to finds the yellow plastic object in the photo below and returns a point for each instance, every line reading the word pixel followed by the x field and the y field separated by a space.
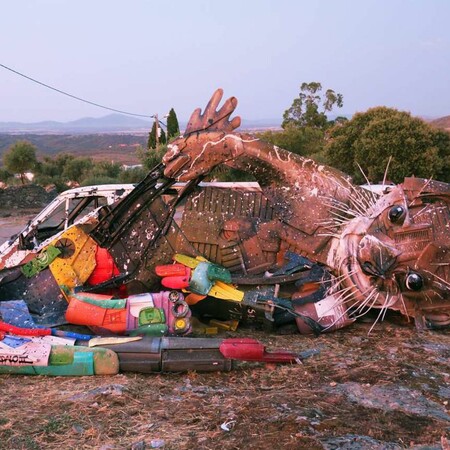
pixel 229 325
pixel 181 325
pixel 188 261
pixel 219 289
pixel 226 292
pixel 199 328
pixel 77 261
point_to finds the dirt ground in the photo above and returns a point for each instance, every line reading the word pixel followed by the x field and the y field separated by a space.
pixel 11 222
pixel 389 390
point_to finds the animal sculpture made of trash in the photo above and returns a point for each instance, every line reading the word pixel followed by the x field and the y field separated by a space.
pixel 308 247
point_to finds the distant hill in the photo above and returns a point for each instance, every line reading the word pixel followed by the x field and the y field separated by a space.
pixel 109 123
pixel 111 147
pixel 443 122
pixel 112 123
pixel 114 137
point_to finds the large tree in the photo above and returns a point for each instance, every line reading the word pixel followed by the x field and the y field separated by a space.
pixel 20 158
pixel 173 128
pixel 383 135
pixel 305 122
pixel 310 108
pixel 4 175
pixel 151 143
pixel 77 169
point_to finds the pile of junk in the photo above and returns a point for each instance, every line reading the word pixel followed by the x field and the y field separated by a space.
pixel 154 273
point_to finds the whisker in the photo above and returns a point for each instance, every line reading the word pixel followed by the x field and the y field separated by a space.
pixel 420 192
pixel 367 198
pixel 379 314
pixel 445 282
pixel 356 200
pixel 367 181
pixel 346 310
pixel 404 307
pixel 363 313
pixel 344 209
pixel 366 300
pixel 340 216
pixel 337 236
pixel 386 171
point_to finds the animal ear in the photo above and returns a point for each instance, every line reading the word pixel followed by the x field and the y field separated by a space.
pixel 213 119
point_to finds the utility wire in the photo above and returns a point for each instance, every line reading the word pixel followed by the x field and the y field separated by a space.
pixel 74 96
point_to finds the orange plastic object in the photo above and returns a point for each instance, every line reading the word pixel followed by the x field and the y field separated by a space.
pixel 192 298
pixel 82 313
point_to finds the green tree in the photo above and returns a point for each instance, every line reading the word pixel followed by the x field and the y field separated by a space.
pixel 173 128
pixel 310 107
pixel 103 172
pixel 133 175
pixel 20 158
pixel 151 157
pixel 380 135
pixel 151 143
pixel 162 136
pixel 77 169
pixel 304 141
pixel 4 175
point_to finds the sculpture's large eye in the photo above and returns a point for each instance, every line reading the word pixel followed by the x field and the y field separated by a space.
pixel 413 281
pixel 396 214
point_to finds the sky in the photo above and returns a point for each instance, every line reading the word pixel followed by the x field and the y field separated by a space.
pixel 147 56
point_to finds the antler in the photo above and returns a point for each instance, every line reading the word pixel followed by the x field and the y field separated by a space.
pixel 213 120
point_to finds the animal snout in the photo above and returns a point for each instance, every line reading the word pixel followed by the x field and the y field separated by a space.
pixel 375 257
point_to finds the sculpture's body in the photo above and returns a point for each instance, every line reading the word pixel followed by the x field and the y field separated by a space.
pixel 391 251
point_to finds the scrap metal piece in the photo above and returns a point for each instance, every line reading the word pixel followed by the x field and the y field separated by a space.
pixel 41 293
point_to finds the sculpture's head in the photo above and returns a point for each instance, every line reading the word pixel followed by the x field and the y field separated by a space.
pixel 396 253
pixel 207 141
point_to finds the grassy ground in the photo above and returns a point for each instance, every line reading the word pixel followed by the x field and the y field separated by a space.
pixel 387 390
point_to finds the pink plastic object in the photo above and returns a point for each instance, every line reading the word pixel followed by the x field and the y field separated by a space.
pixel 172 303
pixel 174 276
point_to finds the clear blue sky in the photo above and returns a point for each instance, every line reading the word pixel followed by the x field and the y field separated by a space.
pixel 147 56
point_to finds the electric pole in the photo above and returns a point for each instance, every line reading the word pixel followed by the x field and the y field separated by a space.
pixel 157 132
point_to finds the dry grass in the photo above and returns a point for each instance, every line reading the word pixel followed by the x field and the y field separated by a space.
pixel 290 407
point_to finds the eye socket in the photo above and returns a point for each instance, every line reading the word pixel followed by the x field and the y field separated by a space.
pixel 396 214
pixel 413 281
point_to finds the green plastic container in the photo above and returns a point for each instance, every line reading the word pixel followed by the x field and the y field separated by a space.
pixel 67 360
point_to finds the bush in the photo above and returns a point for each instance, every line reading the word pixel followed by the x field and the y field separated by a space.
pixel 372 138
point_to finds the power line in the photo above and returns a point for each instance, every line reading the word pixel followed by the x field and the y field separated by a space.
pixel 74 96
